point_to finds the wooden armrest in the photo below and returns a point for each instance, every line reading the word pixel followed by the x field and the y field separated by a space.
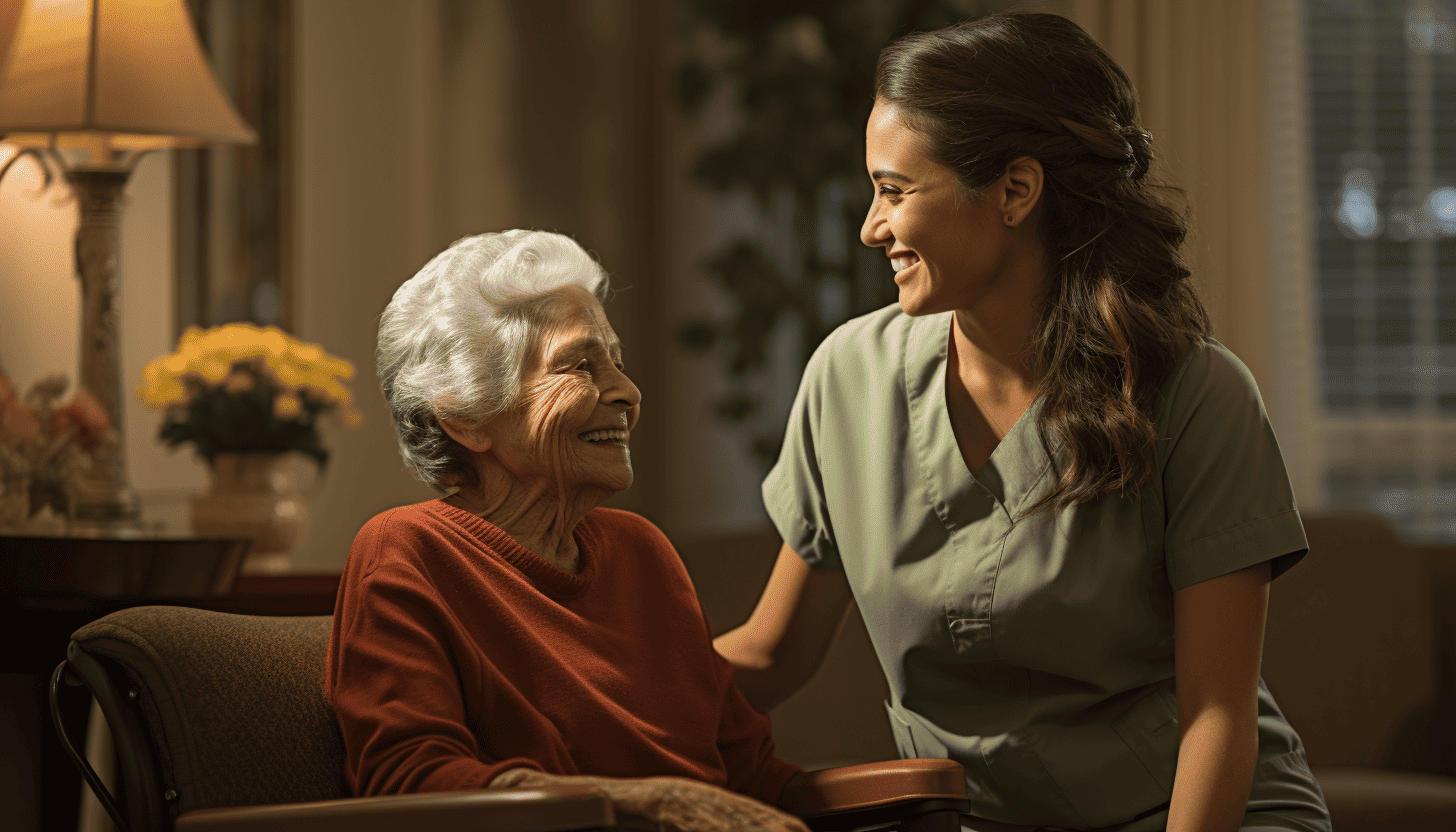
pixel 874 785
pixel 546 809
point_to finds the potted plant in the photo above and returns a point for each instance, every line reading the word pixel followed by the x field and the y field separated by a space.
pixel 249 400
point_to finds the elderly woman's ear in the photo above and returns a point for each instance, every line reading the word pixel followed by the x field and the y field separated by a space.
pixel 473 437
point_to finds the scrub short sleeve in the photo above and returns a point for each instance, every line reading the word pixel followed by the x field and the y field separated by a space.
pixel 1228 503
pixel 793 491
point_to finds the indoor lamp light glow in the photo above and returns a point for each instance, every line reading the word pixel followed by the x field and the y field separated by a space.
pixel 86 88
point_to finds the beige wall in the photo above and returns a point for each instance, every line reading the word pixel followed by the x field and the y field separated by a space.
pixel 363 206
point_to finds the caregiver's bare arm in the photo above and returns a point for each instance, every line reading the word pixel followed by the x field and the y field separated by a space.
pixel 784 641
pixel 1218 642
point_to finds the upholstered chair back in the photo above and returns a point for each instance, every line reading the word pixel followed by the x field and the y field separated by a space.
pixel 231 706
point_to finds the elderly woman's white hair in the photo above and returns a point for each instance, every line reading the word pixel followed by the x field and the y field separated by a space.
pixel 453 339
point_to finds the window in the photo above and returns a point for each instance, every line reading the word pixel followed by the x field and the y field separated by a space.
pixel 1381 88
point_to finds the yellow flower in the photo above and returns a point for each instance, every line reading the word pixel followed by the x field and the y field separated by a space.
pixel 343 394
pixel 236 350
pixel 238 381
pixel 307 354
pixel 287 374
pixel 162 392
pixel 328 390
pixel 174 365
pixel 337 367
pixel 225 368
pixel 189 339
pixel 209 367
pixel 224 365
pixel 286 406
pixel 273 341
pixel 211 356
pixel 167 367
pixel 231 342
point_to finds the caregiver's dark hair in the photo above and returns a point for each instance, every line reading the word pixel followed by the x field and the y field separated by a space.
pixel 1118 308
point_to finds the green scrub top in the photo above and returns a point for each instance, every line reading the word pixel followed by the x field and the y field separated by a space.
pixel 1036 651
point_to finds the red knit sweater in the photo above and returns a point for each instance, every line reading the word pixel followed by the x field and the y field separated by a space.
pixel 457 654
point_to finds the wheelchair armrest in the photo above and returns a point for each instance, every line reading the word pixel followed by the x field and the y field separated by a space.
pixel 547 809
pixel 876 792
pixel 873 784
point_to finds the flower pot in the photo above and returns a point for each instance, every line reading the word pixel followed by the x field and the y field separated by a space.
pixel 261 496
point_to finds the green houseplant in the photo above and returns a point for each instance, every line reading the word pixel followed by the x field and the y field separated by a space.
pixel 799 74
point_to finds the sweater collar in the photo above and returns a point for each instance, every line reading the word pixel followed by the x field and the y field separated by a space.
pixel 543 574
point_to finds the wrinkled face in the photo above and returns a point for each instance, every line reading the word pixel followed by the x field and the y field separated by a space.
pixel 947 249
pixel 568 432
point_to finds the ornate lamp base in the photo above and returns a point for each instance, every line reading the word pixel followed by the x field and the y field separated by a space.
pixel 103 502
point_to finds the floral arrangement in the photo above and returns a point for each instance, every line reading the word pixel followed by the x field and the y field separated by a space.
pixel 240 387
pixel 45 447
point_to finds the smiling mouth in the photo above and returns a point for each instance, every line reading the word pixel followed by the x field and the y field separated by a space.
pixel 605 437
pixel 901 262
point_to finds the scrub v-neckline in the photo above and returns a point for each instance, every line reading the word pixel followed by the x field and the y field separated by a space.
pixel 1011 471
pixel 947 369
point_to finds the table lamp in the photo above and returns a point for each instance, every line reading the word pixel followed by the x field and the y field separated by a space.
pixel 86 88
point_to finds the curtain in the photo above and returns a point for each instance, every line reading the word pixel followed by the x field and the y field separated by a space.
pixel 1198 71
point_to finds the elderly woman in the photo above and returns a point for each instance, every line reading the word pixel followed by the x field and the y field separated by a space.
pixel 515 633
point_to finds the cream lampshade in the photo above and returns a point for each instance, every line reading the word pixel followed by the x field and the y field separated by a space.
pixel 124 75
pixel 86 88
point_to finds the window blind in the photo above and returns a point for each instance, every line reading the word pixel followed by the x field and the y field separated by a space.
pixel 1382 147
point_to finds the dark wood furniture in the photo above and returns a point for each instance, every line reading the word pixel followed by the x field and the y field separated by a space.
pixel 39 622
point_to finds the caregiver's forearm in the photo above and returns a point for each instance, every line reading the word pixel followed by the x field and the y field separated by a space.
pixel 764 682
pixel 786 638
pixel 1218 639
pixel 1215 771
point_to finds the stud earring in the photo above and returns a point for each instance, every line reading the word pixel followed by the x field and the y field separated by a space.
pixel 1010 218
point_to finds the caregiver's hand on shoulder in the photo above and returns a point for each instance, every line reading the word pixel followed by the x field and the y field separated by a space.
pixel 684 804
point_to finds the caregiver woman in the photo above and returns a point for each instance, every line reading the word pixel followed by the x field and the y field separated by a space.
pixel 1056 500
